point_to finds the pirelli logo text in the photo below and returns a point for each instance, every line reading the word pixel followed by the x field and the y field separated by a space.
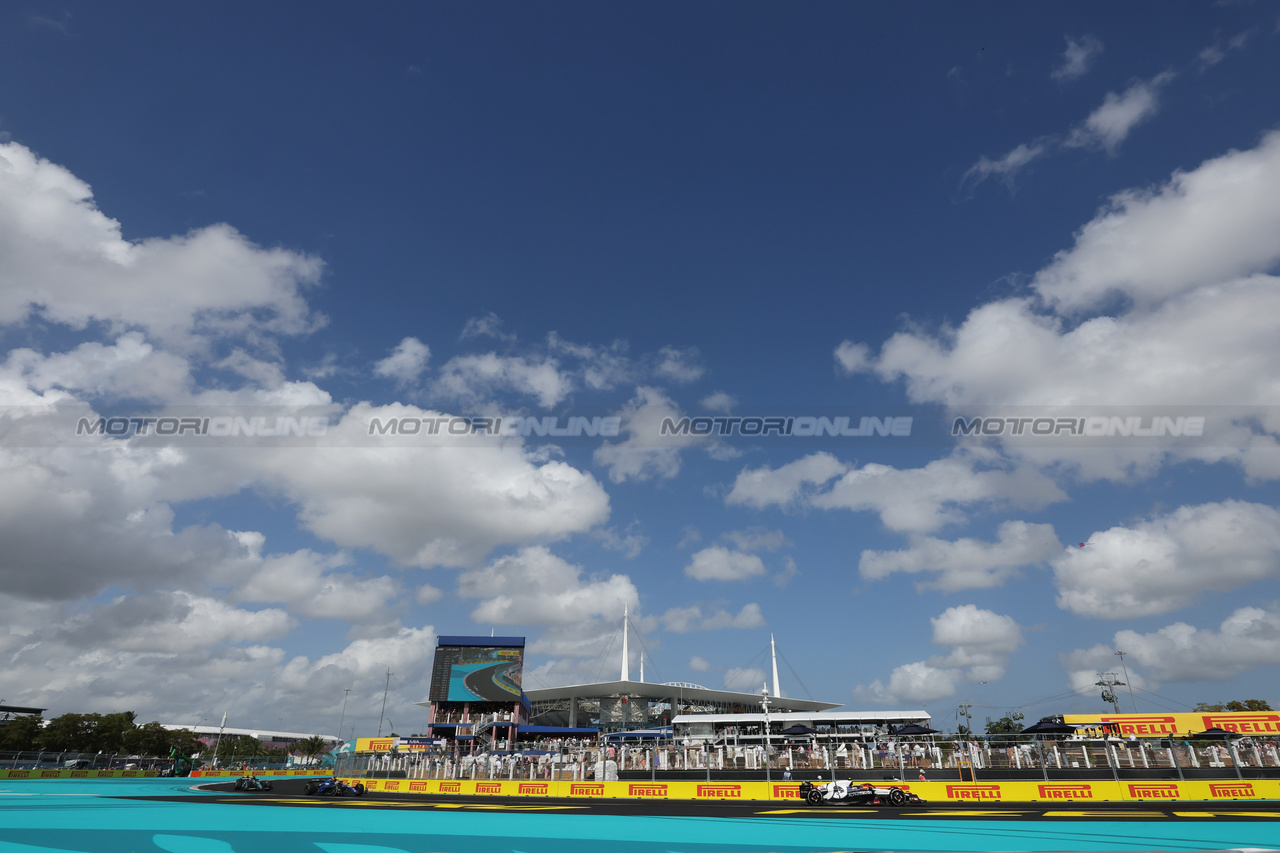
pixel 1130 724
pixel 1168 791
pixel 595 789
pixel 488 787
pixel 78 774
pixel 19 774
pixel 1245 724
pixel 451 787
pixel 973 792
pixel 539 789
pixel 786 792
pixel 1232 790
pixel 720 791
pixel 647 790
pixel 1066 792
pixel 419 786
pixel 392 786
pixel 381 744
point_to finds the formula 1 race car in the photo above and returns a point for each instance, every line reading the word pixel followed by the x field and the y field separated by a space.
pixel 335 787
pixel 252 783
pixel 851 794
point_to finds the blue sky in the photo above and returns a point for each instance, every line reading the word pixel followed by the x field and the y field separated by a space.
pixel 724 210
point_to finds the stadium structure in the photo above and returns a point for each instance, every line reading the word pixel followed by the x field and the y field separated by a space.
pixel 209 735
pixel 476 692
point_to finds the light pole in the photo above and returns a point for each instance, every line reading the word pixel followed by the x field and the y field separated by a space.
pixel 1129 682
pixel 1108 680
pixel 384 701
pixel 218 742
pixel 768 742
pixel 345 693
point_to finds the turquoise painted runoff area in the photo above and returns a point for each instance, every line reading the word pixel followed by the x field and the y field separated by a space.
pixel 85 816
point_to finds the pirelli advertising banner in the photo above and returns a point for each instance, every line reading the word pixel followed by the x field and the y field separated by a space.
pixel 76 774
pixel 789 792
pixel 375 744
pixel 274 773
pixel 143 774
pixel 1249 723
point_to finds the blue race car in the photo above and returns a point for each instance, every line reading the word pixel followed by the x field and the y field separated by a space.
pixel 335 787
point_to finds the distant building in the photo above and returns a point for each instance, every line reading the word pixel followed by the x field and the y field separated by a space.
pixel 270 739
pixel 476 691
pixel 8 712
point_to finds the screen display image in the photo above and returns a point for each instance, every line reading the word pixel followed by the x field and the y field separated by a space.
pixel 477 673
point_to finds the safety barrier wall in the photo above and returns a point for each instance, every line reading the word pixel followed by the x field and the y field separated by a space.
pixel 994 753
pixel 143 774
pixel 789 792
pixel 78 774
pixel 239 773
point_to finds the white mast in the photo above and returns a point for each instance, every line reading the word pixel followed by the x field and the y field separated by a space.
pixel 773 652
pixel 626 660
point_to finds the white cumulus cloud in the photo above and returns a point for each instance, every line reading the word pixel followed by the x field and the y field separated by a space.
pixel 718 563
pixel 406 362
pixel 65 261
pixel 1248 639
pixel 535 587
pixel 1169 561
pixel 979 643
pixel 682 620
pixel 1077 58
pixel 1109 125
pixel 966 563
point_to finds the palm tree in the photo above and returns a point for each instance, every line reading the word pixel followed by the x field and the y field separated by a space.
pixel 310 746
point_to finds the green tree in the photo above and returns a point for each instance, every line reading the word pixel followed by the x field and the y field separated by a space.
pixel 184 742
pixel 310 747
pixel 239 746
pixel 1235 705
pixel 151 739
pixel 88 732
pixel 69 733
pixel 111 732
pixel 1011 724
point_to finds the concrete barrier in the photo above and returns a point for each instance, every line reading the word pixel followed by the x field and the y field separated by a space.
pixel 789 792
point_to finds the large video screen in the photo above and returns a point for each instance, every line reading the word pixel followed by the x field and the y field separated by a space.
pixel 477 669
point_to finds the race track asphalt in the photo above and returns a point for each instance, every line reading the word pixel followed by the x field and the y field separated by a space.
pixel 290 792
pixel 190 816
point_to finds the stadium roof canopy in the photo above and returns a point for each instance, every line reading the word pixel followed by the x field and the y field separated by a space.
pixel 682 694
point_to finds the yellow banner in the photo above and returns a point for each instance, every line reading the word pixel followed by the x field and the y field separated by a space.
pixel 1096 790
pixel 76 774
pixel 239 773
pixel 1253 723
pixel 374 744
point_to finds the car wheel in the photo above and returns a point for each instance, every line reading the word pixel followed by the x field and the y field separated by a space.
pixel 239 786
pixel 311 787
pixel 266 786
pixel 814 797
pixel 359 789
pixel 897 797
